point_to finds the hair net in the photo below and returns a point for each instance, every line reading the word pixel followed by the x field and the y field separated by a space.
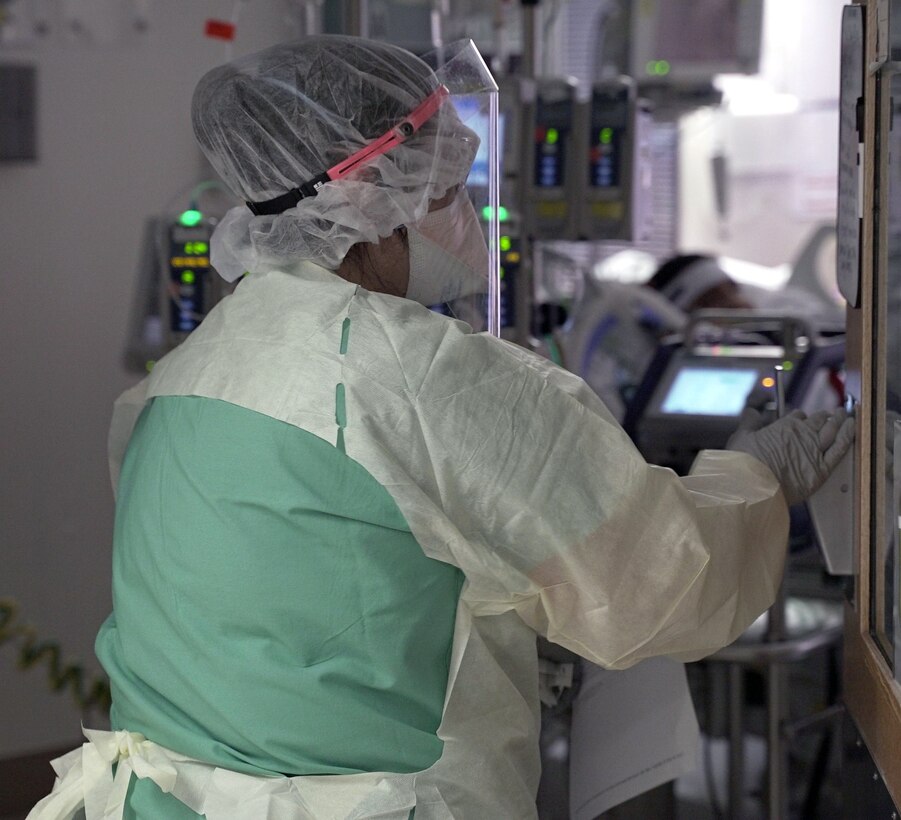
pixel 270 121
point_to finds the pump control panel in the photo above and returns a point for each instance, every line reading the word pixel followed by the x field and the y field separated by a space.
pixel 614 164
pixel 551 179
pixel 188 282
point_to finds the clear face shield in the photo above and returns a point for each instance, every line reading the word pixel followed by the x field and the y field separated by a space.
pixel 454 248
pixel 358 157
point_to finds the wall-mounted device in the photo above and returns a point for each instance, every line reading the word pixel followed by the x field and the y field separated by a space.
pixel 551 181
pixel 176 289
pixel 187 285
pixel 614 164
pixel 18 113
pixel 686 42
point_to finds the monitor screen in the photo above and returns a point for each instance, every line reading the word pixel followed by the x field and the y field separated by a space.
pixel 709 391
pixel 471 111
pixel 696 39
pixel 699 31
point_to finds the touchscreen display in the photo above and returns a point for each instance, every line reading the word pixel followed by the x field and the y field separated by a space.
pixel 709 391
pixel 475 118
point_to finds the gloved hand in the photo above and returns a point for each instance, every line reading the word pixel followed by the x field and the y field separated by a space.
pixel 800 451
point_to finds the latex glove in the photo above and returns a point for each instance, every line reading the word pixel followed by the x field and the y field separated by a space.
pixel 800 451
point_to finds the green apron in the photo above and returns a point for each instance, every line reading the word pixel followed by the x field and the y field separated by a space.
pixel 273 614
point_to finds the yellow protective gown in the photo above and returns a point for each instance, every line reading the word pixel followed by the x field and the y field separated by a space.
pixel 506 467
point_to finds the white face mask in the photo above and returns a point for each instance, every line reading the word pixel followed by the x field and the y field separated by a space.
pixel 448 254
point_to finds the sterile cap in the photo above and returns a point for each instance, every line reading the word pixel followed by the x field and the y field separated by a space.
pixel 270 121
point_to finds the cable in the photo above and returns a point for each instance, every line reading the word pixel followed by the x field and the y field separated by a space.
pixel 208 185
pixel 707 750
pixel 89 692
pixel 236 16
pixel 192 193
pixel 710 779
pixel 553 349
pixel 550 21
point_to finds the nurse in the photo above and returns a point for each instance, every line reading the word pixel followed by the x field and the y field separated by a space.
pixel 342 517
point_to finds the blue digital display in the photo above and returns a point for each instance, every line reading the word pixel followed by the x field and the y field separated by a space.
pixel 471 111
pixel 709 391
pixel 605 158
pixel 189 267
pixel 550 157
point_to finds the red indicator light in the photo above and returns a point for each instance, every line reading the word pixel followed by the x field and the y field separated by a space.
pixel 220 29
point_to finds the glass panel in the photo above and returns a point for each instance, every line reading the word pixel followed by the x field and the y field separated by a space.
pixel 887 463
pixel 887 347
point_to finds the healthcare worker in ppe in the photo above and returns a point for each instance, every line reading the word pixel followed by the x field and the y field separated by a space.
pixel 342 518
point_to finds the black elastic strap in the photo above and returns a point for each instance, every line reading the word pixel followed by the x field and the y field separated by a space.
pixel 282 203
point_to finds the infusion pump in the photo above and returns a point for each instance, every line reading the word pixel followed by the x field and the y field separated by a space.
pixel 177 286
pixel 586 164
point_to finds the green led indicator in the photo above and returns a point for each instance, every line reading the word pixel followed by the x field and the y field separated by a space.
pixel 191 218
pixel 787 366
pixel 651 67
pixel 196 248
pixel 502 213
pixel 606 136
pixel 149 365
pixel 505 243
pixel 188 277
pixel 663 68
pixel 553 135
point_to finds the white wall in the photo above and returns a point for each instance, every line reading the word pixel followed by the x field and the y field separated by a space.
pixel 115 146
pixel 779 132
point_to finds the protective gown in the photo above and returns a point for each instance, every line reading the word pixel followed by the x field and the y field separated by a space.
pixel 341 520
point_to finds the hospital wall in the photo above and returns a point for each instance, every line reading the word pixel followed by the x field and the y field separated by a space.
pixel 778 133
pixel 115 145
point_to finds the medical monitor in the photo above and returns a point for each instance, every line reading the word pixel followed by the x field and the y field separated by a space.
pixel 709 391
pixel 472 113
pixel 691 399
pixel 691 41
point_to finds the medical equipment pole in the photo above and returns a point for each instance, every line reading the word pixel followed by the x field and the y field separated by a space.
pixel 356 18
pixel 780 390
pixel 524 289
pixel 736 741
pixel 312 17
pixel 777 757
